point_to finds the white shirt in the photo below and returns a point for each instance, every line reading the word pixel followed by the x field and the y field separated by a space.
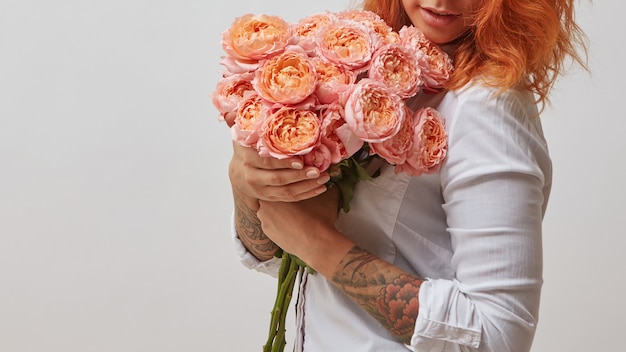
pixel 473 230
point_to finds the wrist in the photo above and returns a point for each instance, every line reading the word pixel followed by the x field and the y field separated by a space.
pixel 328 252
pixel 249 202
pixel 249 230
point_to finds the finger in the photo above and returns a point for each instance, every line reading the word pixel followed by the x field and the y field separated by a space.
pixel 297 191
pixel 251 157
pixel 287 177
pixel 271 163
pixel 280 185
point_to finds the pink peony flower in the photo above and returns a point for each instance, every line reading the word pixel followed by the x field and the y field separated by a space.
pixel 288 132
pixel 287 78
pixel 348 43
pixel 360 16
pixel 332 79
pixel 436 65
pixel 373 112
pixel 412 37
pixel 336 135
pixel 397 67
pixel 385 33
pixel 394 150
pixel 229 93
pixel 255 37
pixel 319 157
pixel 307 29
pixel 429 145
pixel 234 66
pixel 250 114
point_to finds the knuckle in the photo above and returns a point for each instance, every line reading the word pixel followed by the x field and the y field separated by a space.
pixel 277 179
pixel 266 162
pixel 250 180
pixel 287 193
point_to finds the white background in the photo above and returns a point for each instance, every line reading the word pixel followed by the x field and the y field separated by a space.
pixel 115 204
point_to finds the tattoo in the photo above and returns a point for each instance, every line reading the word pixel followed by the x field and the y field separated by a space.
pixel 386 292
pixel 249 231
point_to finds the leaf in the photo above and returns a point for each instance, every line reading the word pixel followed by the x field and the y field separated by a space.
pixel 361 172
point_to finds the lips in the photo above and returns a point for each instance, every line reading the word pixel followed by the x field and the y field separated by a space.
pixel 436 12
pixel 438 18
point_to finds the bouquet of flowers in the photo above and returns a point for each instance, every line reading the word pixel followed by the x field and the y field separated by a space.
pixel 332 89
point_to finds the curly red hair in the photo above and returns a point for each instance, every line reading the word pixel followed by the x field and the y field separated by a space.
pixel 510 42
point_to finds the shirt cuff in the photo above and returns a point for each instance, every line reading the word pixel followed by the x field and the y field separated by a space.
pixel 445 315
pixel 270 266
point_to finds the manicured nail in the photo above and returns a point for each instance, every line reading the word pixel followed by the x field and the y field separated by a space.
pixel 296 165
pixel 322 180
pixel 320 190
pixel 312 173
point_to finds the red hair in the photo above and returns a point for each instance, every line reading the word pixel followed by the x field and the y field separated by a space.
pixel 510 42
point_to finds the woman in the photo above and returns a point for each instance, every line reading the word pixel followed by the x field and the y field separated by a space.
pixel 449 261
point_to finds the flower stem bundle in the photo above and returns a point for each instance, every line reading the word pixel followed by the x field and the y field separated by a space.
pixel 289 270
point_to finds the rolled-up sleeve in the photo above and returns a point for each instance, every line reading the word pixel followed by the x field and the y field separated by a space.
pixel 495 185
pixel 270 267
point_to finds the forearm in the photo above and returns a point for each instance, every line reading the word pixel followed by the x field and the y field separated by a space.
pixel 249 231
pixel 386 292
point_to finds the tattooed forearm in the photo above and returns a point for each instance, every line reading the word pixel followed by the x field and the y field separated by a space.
pixel 249 231
pixel 386 292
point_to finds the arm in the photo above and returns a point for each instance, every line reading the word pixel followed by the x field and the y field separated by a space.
pixel 495 186
pixel 254 178
pixel 306 229
pixel 249 231
pixel 386 292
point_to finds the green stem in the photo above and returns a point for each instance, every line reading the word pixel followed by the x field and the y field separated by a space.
pixel 287 274
pixel 287 294
pixel 284 266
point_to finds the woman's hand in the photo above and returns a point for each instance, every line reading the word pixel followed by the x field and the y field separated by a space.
pixel 307 229
pixel 256 178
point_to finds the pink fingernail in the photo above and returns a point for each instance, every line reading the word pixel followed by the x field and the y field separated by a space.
pixel 296 165
pixel 312 173
pixel 323 180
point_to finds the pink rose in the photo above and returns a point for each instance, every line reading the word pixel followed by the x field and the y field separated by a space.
pixel 372 112
pixel 397 67
pixel 230 91
pixel 436 65
pixel 336 135
pixel 307 29
pixel 250 115
pixel 348 43
pixel 234 66
pixel 332 79
pixel 288 132
pixel 412 37
pixel 430 144
pixel 320 157
pixel 287 78
pixel 359 16
pixel 394 150
pixel 385 33
pixel 255 37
